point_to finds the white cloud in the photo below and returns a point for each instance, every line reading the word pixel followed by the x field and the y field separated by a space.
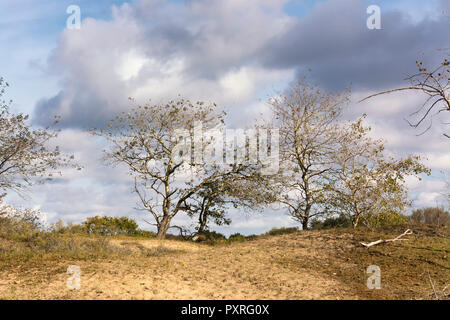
pixel 131 64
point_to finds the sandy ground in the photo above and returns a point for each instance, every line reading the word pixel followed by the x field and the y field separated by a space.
pixel 272 268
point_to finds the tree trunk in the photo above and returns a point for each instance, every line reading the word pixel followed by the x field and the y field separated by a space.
pixel 203 216
pixel 355 222
pixel 162 228
pixel 202 223
pixel 305 218
pixel 305 223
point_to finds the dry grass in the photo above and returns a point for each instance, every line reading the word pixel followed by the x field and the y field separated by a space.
pixel 305 265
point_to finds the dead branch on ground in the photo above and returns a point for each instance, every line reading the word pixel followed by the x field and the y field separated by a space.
pixel 387 240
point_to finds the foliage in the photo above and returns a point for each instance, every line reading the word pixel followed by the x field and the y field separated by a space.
pixel 281 231
pixel 209 235
pixel 340 221
pixel 70 228
pixel 385 218
pixel 31 217
pixel 237 237
pixel 210 203
pixel 111 226
pixel 25 241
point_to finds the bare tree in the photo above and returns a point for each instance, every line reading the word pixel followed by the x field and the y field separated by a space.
pixel 435 84
pixel 435 216
pixel 25 155
pixel 307 119
pixel 169 170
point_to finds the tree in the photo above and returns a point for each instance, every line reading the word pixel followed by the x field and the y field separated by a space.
pixel 211 202
pixel 435 84
pixel 170 161
pixel 307 121
pixel 25 157
pixel 433 216
pixel 366 184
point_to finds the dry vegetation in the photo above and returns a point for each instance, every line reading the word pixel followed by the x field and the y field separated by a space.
pixel 319 264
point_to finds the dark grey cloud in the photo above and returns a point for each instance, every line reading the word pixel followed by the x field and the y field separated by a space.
pixel 336 44
pixel 87 108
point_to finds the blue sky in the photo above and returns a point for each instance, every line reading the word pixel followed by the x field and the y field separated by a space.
pixel 239 52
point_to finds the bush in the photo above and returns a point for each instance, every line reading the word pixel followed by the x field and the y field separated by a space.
pixel 111 226
pixel 17 230
pixel 237 237
pixel 70 228
pixel 385 219
pixel 24 240
pixel 331 222
pixel 145 234
pixel 103 226
pixel 19 224
pixel 280 231
pixel 212 235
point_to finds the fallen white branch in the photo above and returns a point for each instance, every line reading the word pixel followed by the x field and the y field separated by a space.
pixel 388 240
pixel 432 286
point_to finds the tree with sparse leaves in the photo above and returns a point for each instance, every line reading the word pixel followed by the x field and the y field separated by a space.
pixel 210 204
pixel 309 130
pixel 25 155
pixel 167 182
pixel 366 185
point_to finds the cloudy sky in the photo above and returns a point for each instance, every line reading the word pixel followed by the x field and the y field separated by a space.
pixel 237 53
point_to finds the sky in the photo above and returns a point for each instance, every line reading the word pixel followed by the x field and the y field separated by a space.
pixel 237 53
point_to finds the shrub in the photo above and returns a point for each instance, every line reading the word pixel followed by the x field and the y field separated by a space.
pixel 70 228
pixel 19 224
pixel 237 237
pixel 251 237
pixel 145 233
pixel 24 240
pixel 383 219
pixel 111 226
pixel 103 226
pixel 280 231
pixel 331 222
pixel 212 235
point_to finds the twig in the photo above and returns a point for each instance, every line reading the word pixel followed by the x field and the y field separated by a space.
pixel 432 286
pixel 408 231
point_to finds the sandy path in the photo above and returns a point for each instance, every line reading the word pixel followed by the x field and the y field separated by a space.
pixel 263 269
